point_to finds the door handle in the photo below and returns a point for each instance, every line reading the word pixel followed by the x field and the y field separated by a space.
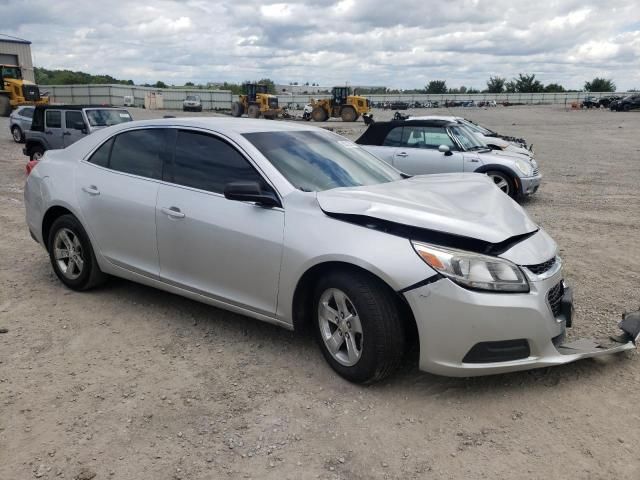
pixel 474 160
pixel 66 133
pixel 402 154
pixel 173 212
pixel 48 132
pixel 91 190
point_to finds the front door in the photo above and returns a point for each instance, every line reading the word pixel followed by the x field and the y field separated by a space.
pixel 117 189
pixel 418 153
pixel 224 249
pixel 72 120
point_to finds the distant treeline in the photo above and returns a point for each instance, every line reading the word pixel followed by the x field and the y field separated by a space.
pixel 67 77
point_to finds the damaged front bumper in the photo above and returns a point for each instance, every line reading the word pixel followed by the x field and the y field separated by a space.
pixel 466 333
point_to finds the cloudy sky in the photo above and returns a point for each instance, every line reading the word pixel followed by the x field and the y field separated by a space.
pixel 397 43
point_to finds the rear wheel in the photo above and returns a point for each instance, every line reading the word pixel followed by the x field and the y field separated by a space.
pixel 237 109
pixel 348 114
pixel 36 152
pixel 17 134
pixel 72 256
pixel 319 114
pixel 358 326
pixel 5 106
pixel 253 111
pixel 503 181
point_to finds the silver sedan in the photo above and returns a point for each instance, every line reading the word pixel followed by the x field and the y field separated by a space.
pixel 297 226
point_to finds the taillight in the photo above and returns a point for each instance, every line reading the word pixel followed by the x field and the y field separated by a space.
pixel 30 166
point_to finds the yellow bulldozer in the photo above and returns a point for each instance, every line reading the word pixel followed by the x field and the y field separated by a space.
pixel 342 104
pixel 256 102
pixel 15 91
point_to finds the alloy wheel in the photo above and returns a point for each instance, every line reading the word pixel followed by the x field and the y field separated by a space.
pixel 340 327
pixel 68 253
pixel 501 183
pixel 17 135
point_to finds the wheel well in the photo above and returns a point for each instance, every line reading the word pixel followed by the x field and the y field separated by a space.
pixel 51 216
pixel 302 311
pixel 33 143
pixel 507 171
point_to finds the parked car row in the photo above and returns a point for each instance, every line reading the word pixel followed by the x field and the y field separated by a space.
pixel 286 223
pixel 630 102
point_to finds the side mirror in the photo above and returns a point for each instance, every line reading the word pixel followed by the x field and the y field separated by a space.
pixel 250 192
pixel 445 149
pixel 80 126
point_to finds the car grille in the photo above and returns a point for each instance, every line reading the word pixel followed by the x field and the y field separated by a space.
pixel 536 171
pixel 554 297
pixel 543 267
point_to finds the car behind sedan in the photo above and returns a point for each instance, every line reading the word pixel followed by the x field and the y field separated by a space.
pixel 297 226
pixel 420 147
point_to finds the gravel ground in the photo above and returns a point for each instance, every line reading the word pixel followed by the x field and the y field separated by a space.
pixel 128 382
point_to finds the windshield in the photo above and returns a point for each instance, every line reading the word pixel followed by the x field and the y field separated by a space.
pixel 466 138
pixel 192 98
pixel 105 118
pixel 475 128
pixel 11 72
pixel 314 161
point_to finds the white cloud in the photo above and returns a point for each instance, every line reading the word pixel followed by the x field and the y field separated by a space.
pixel 399 43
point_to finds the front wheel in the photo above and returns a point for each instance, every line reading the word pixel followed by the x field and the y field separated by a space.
pixel 503 181
pixel 72 256
pixel 36 153
pixel 17 134
pixel 358 326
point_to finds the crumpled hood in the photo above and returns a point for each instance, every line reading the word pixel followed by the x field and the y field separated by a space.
pixel 465 204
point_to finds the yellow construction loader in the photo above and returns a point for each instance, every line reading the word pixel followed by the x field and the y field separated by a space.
pixel 15 91
pixel 342 104
pixel 256 102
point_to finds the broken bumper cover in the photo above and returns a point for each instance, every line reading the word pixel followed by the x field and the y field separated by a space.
pixel 530 185
pixel 466 333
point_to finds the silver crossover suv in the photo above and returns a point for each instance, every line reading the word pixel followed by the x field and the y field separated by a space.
pixel 297 226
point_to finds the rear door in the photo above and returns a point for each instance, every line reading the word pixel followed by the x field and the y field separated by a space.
pixel 224 249
pixel 117 189
pixel 53 129
pixel 419 154
pixel 72 119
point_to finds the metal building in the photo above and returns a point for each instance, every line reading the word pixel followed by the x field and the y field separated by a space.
pixel 16 51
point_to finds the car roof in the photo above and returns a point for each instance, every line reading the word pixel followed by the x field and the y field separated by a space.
pixel 222 124
pixel 448 118
pixel 76 107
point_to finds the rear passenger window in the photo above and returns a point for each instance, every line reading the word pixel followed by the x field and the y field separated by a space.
pixel 394 138
pixel 101 155
pixel 139 152
pixel 207 163
pixel 53 118
pixel 26 112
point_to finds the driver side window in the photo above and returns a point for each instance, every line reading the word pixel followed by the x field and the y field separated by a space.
pixel 426 137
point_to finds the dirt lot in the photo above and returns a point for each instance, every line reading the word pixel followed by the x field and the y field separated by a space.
pixel 127 382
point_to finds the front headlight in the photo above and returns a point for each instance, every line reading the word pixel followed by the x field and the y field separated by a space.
pixel 473 270
pixel 525 167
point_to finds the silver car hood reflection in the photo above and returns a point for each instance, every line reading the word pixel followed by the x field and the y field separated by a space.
pixel 465 204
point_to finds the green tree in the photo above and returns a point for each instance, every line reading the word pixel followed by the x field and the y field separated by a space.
pixel 510 87
pixel 189 84
pixel 160 84
pixel 600 85
pixel 496 84
pixel 528 83
pixel 437 86
pixel 554 88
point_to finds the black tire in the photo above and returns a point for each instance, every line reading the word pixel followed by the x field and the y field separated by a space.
pixel 626 108
pixel 319 114
pixel 90 274
pixel 237 109
pixel 348 114
pixel 253 111
pixel 16 133
pixel 506 178
pixel 5 106
pixel 36 152
pixel 383 338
